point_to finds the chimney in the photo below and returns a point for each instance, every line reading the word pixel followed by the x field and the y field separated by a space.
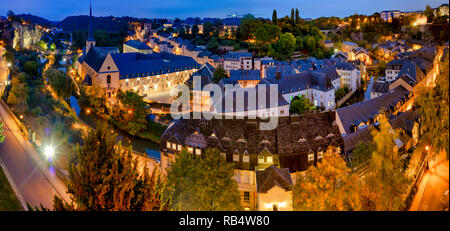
pixel 278 75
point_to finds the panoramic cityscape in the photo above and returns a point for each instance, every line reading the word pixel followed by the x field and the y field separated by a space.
pixel 224 107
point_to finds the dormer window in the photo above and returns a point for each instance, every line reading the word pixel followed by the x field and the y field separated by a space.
pixel 168 145
pixel 246 158
pixel 236 157
pixel 310 157
pixel 198 152
pixel 302 140
pixel 260 159
pixel 269 159
pixel 190 149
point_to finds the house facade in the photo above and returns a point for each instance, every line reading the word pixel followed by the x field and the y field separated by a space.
pixel 266 162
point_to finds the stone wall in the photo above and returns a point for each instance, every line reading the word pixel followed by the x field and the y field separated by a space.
pixel 25 35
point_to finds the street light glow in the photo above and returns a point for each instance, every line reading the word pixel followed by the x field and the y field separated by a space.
pixel 427 147
pixel 49 151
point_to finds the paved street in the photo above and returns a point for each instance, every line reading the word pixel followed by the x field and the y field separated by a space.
pixel 31 177
pixel 433 186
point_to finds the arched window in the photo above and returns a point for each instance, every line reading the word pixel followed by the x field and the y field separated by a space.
pixel 108 79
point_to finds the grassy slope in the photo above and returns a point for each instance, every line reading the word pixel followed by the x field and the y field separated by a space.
pixel 8 200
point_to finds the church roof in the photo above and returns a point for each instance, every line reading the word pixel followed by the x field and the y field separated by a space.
pixel 135 64
pixel 96 56
pixel 138 45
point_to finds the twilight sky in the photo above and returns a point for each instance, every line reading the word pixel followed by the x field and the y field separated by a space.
pixel 59 9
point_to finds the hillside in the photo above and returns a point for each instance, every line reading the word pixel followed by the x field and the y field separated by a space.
pixel 36 19
pixel 110 23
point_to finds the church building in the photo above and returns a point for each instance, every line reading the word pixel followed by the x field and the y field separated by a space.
pixel 143 72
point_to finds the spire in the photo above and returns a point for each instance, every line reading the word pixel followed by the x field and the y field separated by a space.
pixel 91 31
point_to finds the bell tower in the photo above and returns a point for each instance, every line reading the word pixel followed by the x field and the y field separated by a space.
pixel 90 42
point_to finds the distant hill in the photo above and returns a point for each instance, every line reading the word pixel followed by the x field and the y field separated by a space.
pixel 109 23
pixel 36 20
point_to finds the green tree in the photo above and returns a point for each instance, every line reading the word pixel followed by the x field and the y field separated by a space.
pixel 385 185
pixel 2 137
pixel 299 105
pixel 9 57
pixel 219 74
pixel 432 102
pixel 202 183
pixel 429 12
pixel 285 45
pixel 31 68
pixel 61 83
pixel 195 30
pixel 362 153
pixel 297 16
pixel 106 177
pixel 132 112
pixel 292 15
pixel 17 94
pixel 329 186
pixel 274 17
pixel 299 43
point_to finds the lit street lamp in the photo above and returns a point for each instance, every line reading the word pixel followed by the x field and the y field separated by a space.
pixel 49 151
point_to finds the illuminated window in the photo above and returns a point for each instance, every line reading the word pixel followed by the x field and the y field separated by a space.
pixel 223 154
pixel 311 157
pixel 190 149
pixel 179 147
pixel 260 159
pixel 319 155
pixel 236 157
pixel 198 151
pixel 269 159
pixel 168 145
pixel 246 196
pixel 246 159
pixel 174 146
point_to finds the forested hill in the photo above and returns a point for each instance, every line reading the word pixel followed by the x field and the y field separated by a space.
pixel 81 22
pixel 109 23
pixel 33 19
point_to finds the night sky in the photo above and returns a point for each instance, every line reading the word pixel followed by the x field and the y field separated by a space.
pixel 59 9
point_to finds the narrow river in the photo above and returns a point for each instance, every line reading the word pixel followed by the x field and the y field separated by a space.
pixel 140 145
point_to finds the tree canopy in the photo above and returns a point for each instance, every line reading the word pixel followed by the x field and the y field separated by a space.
pixel 202 183
pixel 62 84
pixel 106 177
pixel 299 105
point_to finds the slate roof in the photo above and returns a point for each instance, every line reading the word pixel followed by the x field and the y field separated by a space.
pixel 353 139
pixel 350 43
pixel 231 21
pixel 271 72
pixel 273 176
pixel 206 73
pixel 366 110
pixel 236 55
pixel 320 79
pixel 134 65
pixel 405 121
pixel 96 55
pixel 138 45
pixel 291 140
pixel 245 74
pixel 345 66
pixel 380 87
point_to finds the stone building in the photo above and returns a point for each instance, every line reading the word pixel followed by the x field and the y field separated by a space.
pixel 263 159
